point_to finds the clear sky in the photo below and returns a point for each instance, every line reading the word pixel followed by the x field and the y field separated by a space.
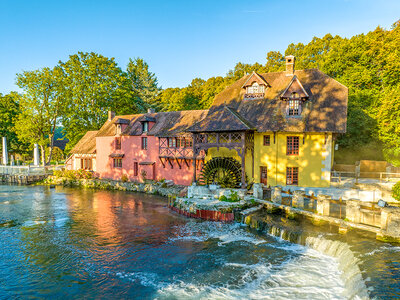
pixel 180 40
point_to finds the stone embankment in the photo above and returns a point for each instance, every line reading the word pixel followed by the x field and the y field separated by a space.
pixel 165 188
pixel 21 179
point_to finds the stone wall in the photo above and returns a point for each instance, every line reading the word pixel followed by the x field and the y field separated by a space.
pixel 155 188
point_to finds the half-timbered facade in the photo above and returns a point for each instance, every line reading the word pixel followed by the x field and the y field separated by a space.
pixel 280 127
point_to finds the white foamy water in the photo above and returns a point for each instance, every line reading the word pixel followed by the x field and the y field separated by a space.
pixel 315 271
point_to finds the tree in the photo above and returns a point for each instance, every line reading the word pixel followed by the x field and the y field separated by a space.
pixel 41 108
pixel 92 87
pixel 142 83
pixel 9 110
pixel 389 124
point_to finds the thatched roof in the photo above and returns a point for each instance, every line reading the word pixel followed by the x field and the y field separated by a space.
pixel 87 144
pixel 325 109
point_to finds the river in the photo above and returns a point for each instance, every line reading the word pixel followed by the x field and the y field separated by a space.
pixel 77 243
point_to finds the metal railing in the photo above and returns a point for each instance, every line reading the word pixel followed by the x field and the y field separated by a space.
pixel 382 176
pixel 28 170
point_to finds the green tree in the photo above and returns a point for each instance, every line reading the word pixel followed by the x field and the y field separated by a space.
pixel 92 87
pixel 41 108
pixel 9 110
pixel 142 84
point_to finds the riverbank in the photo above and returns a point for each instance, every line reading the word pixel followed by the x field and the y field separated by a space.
pixel 161 188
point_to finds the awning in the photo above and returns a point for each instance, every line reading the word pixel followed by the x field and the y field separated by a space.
pixel 117 155
pixel 146 163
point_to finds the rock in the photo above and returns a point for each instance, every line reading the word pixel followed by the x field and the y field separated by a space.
pixel 183 192
pixel 169 183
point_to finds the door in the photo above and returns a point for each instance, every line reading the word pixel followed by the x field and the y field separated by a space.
pixel 264 175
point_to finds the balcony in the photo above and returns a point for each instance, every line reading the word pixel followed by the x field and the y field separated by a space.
pixel 251 96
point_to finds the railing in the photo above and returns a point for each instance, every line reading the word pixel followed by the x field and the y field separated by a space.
pixel 28 170
pixel 383 176
pixel 249 96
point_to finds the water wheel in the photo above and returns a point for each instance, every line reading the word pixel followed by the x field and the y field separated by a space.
pixel 224 171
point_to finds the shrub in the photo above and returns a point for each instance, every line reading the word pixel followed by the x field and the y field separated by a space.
pixel 223 198
pixel 124 178
pixel 396 191
pixel 73 174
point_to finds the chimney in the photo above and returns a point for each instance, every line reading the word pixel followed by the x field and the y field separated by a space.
pixel 111 115
pixel 289 65
pixel 150 111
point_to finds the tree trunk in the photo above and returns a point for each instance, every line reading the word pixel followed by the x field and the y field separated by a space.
pixel 51 137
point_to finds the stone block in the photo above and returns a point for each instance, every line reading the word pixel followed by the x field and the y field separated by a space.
pixel 390 221
pixel 298 199
pixel 353 212
pixel 257 191
pixel 276 196
pixel 323 204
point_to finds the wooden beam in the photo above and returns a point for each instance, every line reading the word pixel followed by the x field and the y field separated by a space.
pixel 170 163
pixel 163 164
pixel 177 161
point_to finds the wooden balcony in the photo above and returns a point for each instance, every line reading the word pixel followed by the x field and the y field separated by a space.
pixel 253 96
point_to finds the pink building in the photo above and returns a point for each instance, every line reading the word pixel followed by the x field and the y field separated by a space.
pixel 142 146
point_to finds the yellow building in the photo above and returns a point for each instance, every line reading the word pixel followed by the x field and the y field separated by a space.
pixel 280 127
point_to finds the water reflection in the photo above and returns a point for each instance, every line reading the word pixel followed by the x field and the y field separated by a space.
pixel 71 243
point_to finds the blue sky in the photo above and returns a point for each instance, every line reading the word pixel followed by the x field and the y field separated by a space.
pixel 180 40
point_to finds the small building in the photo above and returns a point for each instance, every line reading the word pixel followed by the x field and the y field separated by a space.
pixel 83 155
pixel 274 128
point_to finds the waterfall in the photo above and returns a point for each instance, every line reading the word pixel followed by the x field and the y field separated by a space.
pixel 348 263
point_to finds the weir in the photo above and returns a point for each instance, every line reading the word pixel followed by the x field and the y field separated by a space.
pixel 304 234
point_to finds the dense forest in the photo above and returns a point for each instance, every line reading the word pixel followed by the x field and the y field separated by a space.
pixel 77 93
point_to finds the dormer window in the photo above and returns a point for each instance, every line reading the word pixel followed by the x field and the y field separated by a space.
pixel 118 129
pixel 145 126
pixel 255 88
pixel 294 107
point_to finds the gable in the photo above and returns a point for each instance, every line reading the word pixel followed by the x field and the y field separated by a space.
pixel 294 90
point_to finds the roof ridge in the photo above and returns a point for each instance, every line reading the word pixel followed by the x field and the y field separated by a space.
pixel 238 116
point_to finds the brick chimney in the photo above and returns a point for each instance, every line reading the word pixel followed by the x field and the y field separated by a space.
pixel 111 115
pixel 289 65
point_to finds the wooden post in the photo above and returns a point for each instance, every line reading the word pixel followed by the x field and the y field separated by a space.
pixel 194 157
pixel 243 155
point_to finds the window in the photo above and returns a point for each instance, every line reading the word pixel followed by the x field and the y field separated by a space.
pixel 188 142
pixel 117 162
pixel 118 143
pixel 267 140
pixel 86 164
pixel 145 126
pixel 135 168
pixel 294 107
pixel 292 145
pixel 255 88
pixel 292 175
pixel 144 143
pixel 118 129
pixel 172 142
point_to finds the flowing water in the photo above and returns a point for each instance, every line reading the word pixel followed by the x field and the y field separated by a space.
pixel 71 243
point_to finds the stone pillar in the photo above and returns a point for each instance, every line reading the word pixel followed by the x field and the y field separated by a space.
pixel 36 156
pixel 5 152
pixel 257 191
pixel 323 205
pixel 276 194
pixel 298 199
pixel 353 212
pixel 390 221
